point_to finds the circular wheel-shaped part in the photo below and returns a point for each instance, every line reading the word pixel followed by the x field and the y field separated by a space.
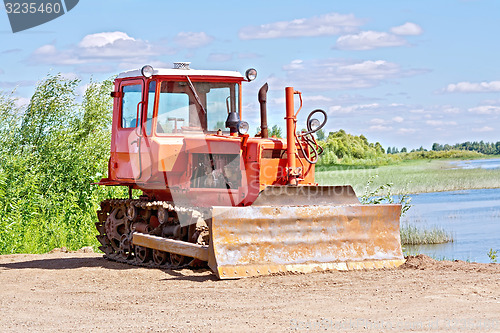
pixel 160 257
pixel 177 260
pixel 125 250
pixel 142 254
pixel 132 212
pixel 162 215
pixel 146 214
pixel 120 212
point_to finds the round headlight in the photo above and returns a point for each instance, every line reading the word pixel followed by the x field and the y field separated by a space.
pixel 147 71
pixel 243 127
pixel 314 124
pixel 251 74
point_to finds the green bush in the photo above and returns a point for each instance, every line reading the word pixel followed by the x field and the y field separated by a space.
pixel 347 149
pixel 50 153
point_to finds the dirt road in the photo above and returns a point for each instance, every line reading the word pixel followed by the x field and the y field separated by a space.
pixel 82 292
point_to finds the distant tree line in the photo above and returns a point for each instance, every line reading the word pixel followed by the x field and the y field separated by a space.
pixel 487 148
pixel 347 149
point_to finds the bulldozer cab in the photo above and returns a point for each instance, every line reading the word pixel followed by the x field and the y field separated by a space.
pixel 167 105
pixel 172 103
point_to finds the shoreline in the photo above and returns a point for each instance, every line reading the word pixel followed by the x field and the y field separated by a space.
pixel 414 177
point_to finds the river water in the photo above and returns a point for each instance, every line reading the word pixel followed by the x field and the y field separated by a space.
pixel 472 216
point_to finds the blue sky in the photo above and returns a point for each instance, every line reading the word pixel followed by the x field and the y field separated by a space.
pixel 404 73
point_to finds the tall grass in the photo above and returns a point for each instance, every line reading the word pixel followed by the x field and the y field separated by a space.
pixel 413 235
pixel 50 153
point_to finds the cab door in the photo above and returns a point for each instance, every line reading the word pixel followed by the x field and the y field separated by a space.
pixel 129 130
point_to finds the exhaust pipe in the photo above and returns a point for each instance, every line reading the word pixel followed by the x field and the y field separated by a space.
pixel 263 110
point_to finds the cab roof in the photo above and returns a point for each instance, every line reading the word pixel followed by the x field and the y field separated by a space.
pixel 182 72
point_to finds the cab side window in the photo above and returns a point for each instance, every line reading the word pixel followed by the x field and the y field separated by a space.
pixel 132 96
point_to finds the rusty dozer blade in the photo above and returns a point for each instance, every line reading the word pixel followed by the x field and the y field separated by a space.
pixel 304 237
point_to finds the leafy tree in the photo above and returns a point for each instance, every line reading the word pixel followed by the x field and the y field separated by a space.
pixel 320 134
pixel 257 131
pixel 342 148
pixel 220 125
pixel 276 131
pixel 50 153
pixel 437 147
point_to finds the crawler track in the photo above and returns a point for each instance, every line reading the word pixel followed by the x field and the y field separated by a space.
pixel 119 218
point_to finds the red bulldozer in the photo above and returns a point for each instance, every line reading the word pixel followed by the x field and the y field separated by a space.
pixel 214 195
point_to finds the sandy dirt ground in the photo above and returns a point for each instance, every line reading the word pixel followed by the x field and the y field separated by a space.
pixel 82 292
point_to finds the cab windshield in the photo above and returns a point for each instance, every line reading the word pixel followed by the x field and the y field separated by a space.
pixel 179 110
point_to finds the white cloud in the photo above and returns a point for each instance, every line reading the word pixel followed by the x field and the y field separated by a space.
pixel 329 74
pixel 451 110
pixel 336 109
pixel 1 71
pixel 378 121
pixel 440 123
pixel 380 128
pixel 112 47
pixel 294 65
pixel 92 68
pixel 10 51
pixel 369 40
pixel 328 24
pixel 406 130
pixel 317 98
pixel 69 76
pixel 378 68
pixel 485 109
pixel 220 57
pixel 249 55
pixel 407 29
pixel 11 85
pixel 103 38
pixel 192 40
pixel 418 111
pixel 491 102
pixel 82 88
pixel 116 46
pixel 471 87
pixel 21 102
pixel 483 129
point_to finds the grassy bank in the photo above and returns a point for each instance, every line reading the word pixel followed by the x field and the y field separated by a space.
pixel 416 176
